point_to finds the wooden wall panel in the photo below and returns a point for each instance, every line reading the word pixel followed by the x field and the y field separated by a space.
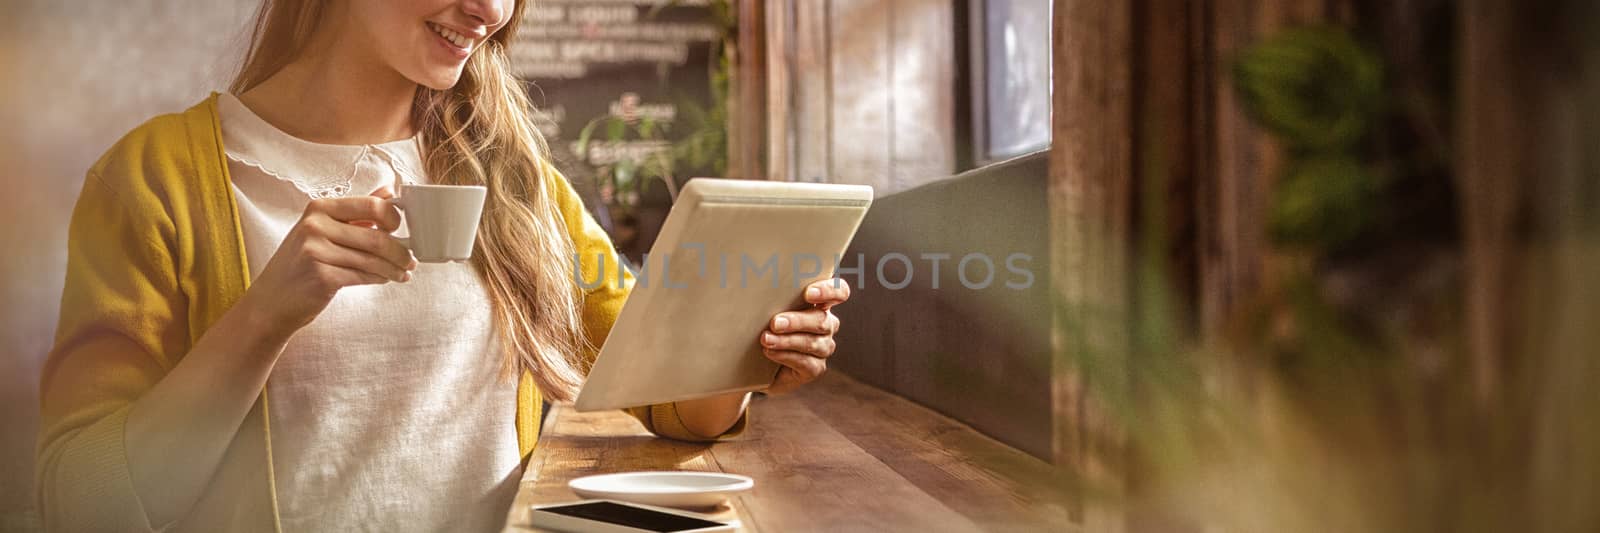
pixel 747 145
pixel 1235 263
pixel 870 92
pixel 812 85
pixel 1235 198
pixel 779 34
pixel 1089 192
pixel 1496 125
pixel 1170 86
pixel 922 81
pixel 859 104
pixel 1166 118
pixel 1527 114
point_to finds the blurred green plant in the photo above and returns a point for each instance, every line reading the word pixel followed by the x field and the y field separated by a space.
pixel 1320 92
pixel 625 178
pixel 1339 393
pixel 706 143
pixel 1316 88
pixel 1333 397
pixel 625 181
pixel 1324 200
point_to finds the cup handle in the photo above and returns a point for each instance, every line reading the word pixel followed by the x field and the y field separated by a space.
pixel 399 202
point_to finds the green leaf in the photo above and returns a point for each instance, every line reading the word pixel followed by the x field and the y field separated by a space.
pixel 615 129
pixel 1323 202
pixel 582 149
pixel 1317 87
pixel 624 173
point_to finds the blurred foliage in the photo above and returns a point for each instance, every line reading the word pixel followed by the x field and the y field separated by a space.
pixel 1340 392
pixel 624 181
pixel 1336 396
pixel 1319 91
pixel 704 143
pixel 705 146
pixel 1324 200
pixel 1316 88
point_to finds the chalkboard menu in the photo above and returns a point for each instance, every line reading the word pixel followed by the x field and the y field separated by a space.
pixel 608 65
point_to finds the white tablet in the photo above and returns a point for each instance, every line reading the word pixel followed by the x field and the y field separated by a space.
pixel 732 254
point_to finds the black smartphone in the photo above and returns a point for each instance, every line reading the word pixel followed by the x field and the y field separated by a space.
pixel 606 516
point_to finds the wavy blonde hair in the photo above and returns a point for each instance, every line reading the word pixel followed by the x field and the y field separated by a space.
pixel 479 132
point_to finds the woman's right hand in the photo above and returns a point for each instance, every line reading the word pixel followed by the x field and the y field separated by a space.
pixel 338 242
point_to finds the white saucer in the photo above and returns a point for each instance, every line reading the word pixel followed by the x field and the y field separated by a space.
pixel 670 489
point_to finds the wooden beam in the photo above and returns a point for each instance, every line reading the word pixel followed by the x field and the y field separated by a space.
pixel 1494 166
pixel 1167 136
pixel 860 105
pixel 922 78
pixel 747 133
pixel 780 91
pixel 1089 200
pixel 1244 161
pixel 813 135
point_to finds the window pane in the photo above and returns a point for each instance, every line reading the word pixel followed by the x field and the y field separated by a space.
pixel 1017 58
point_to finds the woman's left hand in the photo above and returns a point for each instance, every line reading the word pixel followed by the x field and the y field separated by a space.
pixel 801 341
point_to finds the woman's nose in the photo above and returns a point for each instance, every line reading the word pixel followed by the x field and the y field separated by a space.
pixel 489 13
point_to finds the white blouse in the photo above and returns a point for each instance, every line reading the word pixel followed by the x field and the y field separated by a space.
pixel 390 411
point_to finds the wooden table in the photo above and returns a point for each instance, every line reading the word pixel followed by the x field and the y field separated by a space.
pixel 836 456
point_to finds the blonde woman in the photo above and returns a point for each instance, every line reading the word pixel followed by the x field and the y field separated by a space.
pixel 243 347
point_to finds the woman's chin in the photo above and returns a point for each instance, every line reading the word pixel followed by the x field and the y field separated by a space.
pixel 439 79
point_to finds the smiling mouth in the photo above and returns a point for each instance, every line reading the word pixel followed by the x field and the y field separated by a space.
pixel 456 38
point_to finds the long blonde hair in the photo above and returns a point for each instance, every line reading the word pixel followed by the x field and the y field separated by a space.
pixel 480 132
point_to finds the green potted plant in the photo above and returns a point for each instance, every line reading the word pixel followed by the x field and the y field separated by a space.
pixel 633 152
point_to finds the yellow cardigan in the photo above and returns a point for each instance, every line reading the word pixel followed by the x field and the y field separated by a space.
pixel 155 256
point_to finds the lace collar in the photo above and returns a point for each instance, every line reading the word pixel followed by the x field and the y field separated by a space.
pixel 318 170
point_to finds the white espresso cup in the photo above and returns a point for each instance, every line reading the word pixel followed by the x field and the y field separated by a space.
pixel 442 220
